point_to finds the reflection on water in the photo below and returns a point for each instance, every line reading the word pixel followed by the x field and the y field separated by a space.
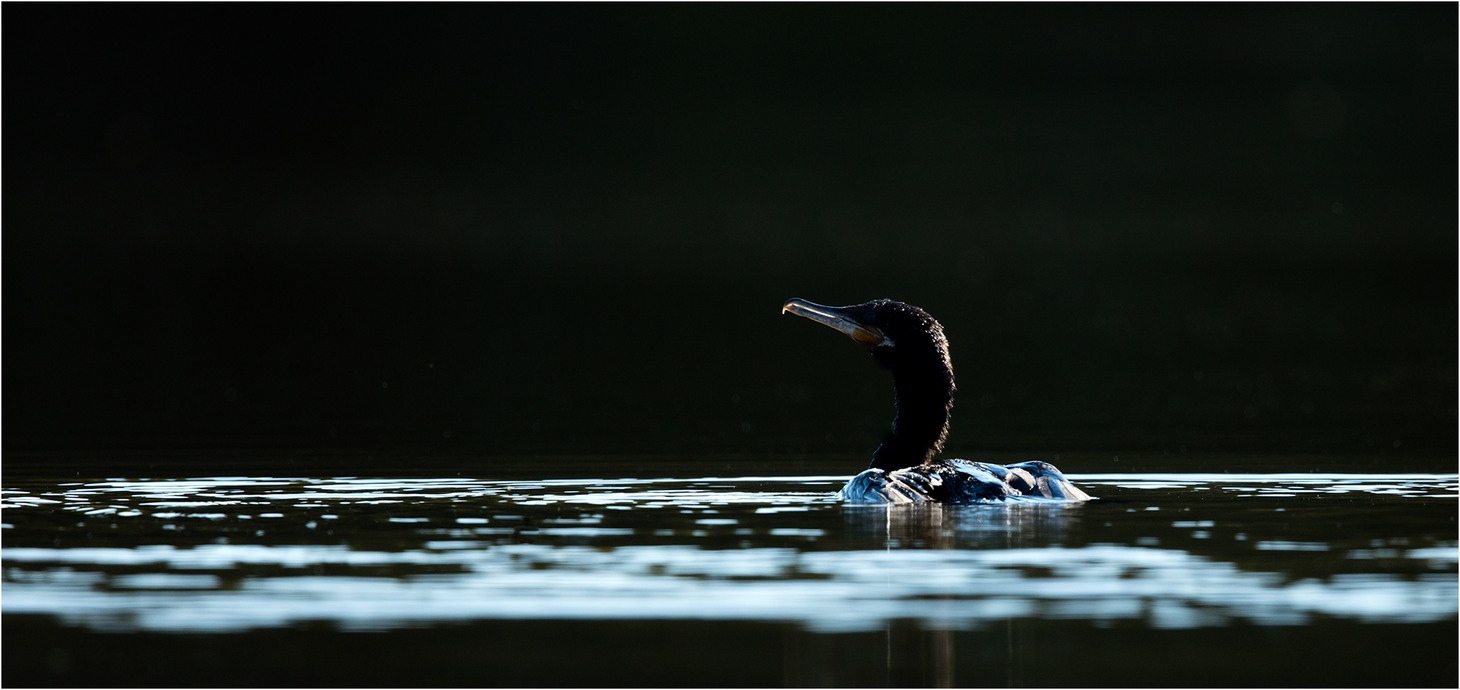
pixel 1157 551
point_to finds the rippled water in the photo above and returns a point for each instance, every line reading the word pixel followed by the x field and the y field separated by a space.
pixel 1156 552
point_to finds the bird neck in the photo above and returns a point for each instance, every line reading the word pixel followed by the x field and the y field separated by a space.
pixel 924 399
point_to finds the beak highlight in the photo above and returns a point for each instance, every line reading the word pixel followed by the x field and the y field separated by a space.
pixel 837 318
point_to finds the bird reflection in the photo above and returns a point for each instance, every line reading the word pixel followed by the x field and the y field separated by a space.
pixel 917 652
pixel 941 526
pixel 902 654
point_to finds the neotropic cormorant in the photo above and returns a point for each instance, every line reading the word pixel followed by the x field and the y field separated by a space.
pixel 909 342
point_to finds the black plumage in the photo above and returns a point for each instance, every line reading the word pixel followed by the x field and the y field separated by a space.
pixel 910 343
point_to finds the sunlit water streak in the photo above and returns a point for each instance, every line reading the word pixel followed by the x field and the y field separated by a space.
pixel 1165 551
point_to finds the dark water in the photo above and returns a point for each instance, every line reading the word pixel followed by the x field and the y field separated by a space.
pixel 664 577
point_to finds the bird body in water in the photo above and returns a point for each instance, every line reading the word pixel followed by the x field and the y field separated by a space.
pixel 909 342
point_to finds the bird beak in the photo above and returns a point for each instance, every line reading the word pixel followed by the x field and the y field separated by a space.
pixel 838 318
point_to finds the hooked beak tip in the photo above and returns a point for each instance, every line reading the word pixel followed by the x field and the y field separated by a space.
pixel 837 318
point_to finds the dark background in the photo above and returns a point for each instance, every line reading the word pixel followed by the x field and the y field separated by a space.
pixel 1175 229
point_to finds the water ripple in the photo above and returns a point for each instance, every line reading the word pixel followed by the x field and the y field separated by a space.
pixel 237 553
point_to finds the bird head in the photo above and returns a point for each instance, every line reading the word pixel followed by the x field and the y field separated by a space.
pixel 896 334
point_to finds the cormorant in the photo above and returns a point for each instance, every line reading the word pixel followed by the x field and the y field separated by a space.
pixel 910 343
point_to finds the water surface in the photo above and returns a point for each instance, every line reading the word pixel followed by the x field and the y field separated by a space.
pixel 1201 566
